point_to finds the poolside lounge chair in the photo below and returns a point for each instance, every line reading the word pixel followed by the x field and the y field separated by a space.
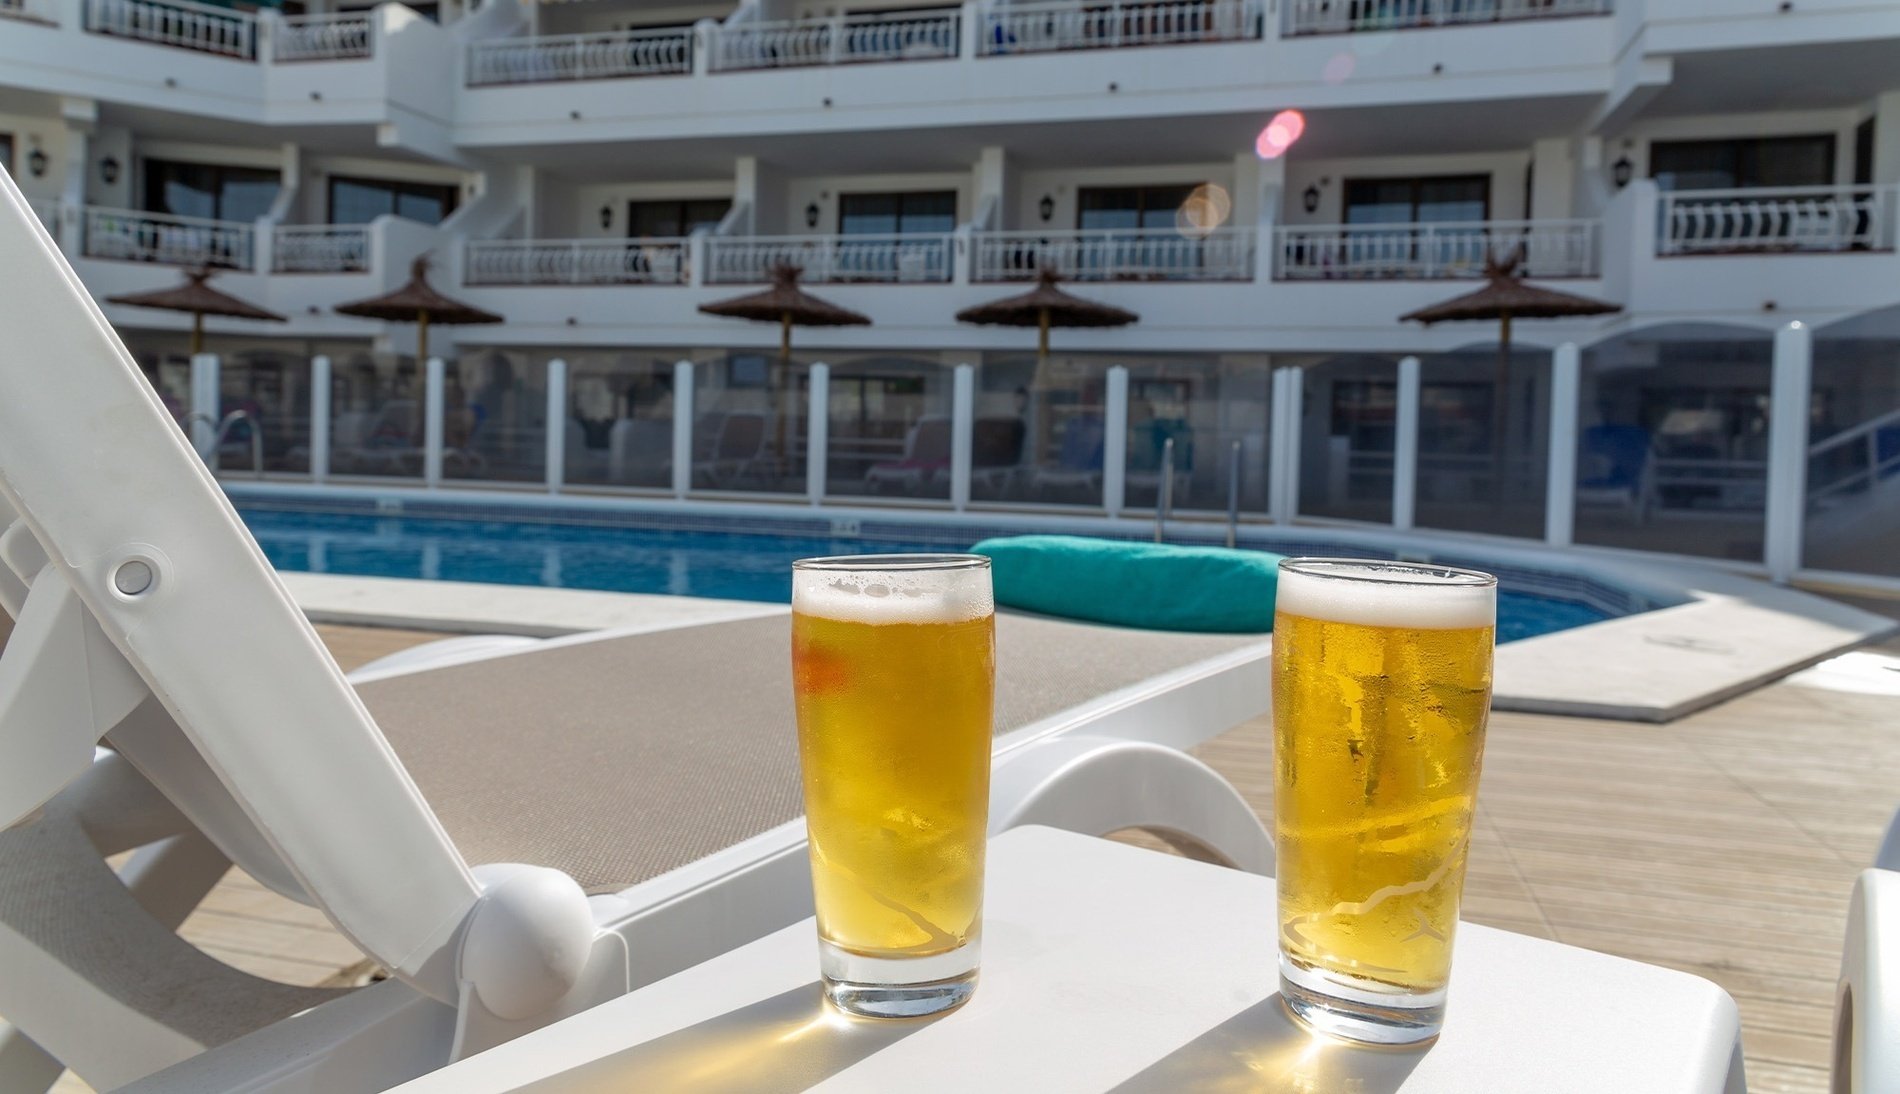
pixel 1867 1001
pixel 1078 461
pixel 926 455
pixel 741 449
pixel 996 451
pixel 629 798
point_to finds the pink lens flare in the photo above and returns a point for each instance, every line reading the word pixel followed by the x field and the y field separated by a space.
pixel 1279 135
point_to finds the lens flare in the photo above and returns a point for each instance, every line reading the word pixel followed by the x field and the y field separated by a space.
pixel 1206 209
pixel 1279 135
pixel 1339 68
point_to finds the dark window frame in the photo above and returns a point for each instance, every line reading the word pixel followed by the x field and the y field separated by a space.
pixel 1417 184
pixel 680 213
pixel 6 154
pixel 451 192
pixel 901 196
pixel 1746 147
pixel 1144 192
pixel 150 174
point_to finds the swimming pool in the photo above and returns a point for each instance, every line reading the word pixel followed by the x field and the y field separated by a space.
pixel 683 561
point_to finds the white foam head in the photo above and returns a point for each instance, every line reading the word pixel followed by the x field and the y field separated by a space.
pixel 888 591
pixel 1387 594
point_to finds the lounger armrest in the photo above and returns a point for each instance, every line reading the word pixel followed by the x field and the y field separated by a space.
pixel 1867 1008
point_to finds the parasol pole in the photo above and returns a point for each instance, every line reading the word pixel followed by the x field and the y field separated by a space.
pixel 197 333
pixel 1499 411
pixel 784 374
pixel 1042 335
pixel 422 336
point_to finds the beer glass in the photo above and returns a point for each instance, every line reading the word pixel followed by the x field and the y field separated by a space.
pixel 1381 687
pixel 893 666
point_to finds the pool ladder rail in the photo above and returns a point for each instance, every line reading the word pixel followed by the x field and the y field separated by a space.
pixel 1164 500
pixel 222 429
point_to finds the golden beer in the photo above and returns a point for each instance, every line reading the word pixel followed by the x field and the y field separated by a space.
pixel 1381 687
pixel 893 672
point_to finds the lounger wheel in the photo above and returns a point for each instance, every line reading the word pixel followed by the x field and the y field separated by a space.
pixel 1098 785
pixel 1867 1003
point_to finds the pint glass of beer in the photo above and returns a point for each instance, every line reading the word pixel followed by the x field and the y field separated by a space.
pixel 893 665
pixel 1381 685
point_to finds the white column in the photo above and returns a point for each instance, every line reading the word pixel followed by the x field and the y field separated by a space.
pixel 682 428
pixel 1286 403
pixel 1276 446
pixel 434 389
pixel 817 432
pixel 1405 447
pixel 1560 488
pixel 1115 441
pixel 319 418
pixel 206 402
pixel 557 425
pixel 970 30
pixel 962 433
pixel 1788 396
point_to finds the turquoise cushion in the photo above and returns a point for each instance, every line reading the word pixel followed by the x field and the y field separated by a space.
pixel 1150 585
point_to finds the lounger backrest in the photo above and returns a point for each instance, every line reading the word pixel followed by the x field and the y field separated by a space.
pixel 140 590
pixel 929 441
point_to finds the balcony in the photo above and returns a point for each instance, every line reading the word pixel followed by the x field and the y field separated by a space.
pixel 127 235
pixel 1302 17
pixel 1431 252
pixel 1046 27
pixel 1113 254
pixel 577 262
pixel 183 24
pixel 320 248
pixel 915 258
pixel 344 36
pixel 26 9
pixel 558 57
pixel 1782 220
pixel 844 39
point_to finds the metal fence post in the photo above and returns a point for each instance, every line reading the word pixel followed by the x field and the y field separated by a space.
pixel 1405 447
pixel 1115 441
pixel 817 432
pixel 1788 397
pixel 434 387
pixel 1560 488
pixel 319 418
pixel 682 428
pixel 962 434
pixel 557 425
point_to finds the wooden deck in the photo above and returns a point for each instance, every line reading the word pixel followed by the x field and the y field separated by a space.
pixel 1724 845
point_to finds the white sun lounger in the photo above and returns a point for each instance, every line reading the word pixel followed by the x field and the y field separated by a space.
pixel 629 799
pixel 1867 1002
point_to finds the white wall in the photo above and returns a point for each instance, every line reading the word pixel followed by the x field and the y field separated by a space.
pixel 823 191
pixel 49 136
pixel 575 214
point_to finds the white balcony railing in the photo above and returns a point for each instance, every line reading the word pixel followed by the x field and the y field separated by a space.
pixel 320 248
pixel 1781 219
pixel 133 236
pixel 1343 16
pixel 1041 27
pixel 182 23
pixel 576 262
pixel 845 39
pixel 909 258
pixel 27 9
pixel 1454 249
pixel 1113 254
pixel 557 57
pixel 341 36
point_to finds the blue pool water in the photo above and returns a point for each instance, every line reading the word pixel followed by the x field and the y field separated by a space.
pixel 735 566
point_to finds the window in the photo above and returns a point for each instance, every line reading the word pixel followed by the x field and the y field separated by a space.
pixel 670 219
pixel 897 214
pixel 1129 206
pixel 1418 200
pixel 210 190
pixel 1743 163
pixel 1864 153
pixel 359 201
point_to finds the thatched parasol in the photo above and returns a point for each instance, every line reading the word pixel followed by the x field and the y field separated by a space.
pixel 200 300
pixel 789 306
pixel 1043 307
pixel 418 303
pixel 1505 296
